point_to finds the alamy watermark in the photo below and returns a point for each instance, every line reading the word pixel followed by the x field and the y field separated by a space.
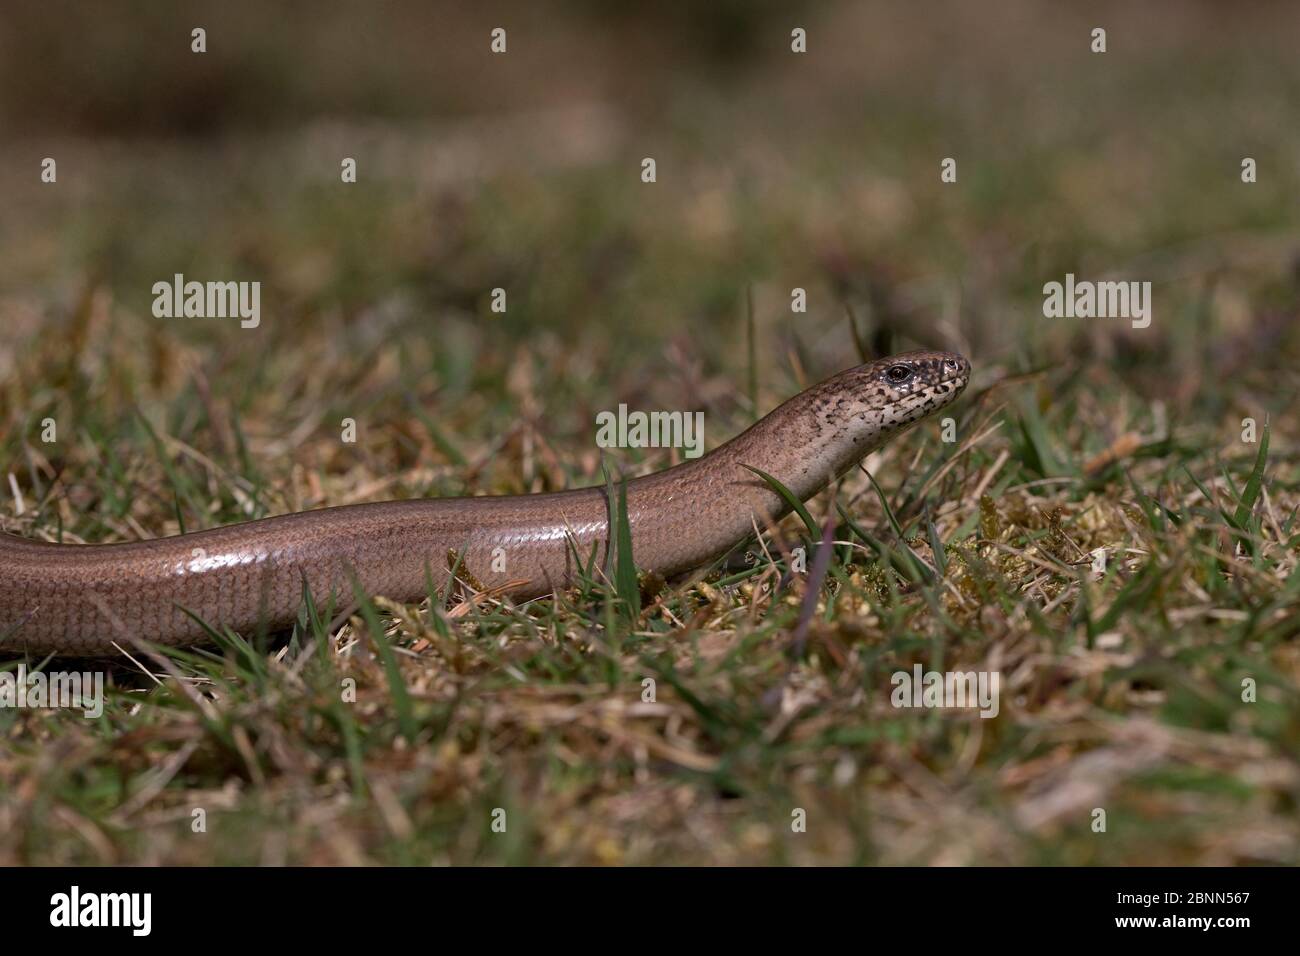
pixel 208 300
pixel 130 910
pixel 626 429
pixel 947 689
pixel 1100 300
pixel 82 690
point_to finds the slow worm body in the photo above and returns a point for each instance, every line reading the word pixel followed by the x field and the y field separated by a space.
pixel 81 599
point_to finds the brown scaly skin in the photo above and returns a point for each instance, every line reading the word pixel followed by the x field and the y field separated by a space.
pixel 79 599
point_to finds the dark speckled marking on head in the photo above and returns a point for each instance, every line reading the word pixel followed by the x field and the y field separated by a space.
pixel 835 424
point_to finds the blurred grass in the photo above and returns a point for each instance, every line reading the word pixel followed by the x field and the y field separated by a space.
pixel 1121 691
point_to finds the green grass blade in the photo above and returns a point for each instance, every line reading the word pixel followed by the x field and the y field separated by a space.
pixel 1246 505
pixel 625 577
pixel 791 499
pixel 406 722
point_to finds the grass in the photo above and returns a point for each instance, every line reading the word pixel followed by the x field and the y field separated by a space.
pixel 638 721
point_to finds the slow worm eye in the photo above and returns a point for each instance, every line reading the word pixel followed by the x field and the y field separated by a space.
pixel 898 374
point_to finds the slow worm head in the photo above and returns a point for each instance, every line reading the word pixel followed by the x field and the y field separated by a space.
pixel 81 599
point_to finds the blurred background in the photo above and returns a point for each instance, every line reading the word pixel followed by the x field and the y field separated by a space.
pixel 521 171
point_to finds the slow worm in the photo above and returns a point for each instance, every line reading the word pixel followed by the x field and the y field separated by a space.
pixel 80 599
